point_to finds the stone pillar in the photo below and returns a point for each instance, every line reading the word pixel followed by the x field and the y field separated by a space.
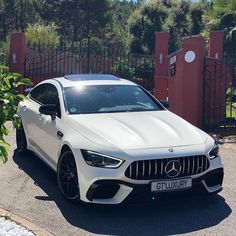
pixel 161 65
pixel 17 52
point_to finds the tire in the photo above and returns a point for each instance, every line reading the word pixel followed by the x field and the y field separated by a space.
pixel 21 142
pixel 67 177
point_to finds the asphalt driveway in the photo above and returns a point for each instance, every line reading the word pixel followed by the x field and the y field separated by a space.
pixel 28 188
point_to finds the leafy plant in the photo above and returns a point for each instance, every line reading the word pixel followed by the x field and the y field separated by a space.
pixel 122 68
pixel 4 51
pixel 42 37
pixel 9 99
pixel 231 103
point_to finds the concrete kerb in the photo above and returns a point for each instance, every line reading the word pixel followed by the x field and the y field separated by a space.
pixel 25 223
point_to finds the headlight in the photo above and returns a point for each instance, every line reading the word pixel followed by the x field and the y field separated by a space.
pixel 214 151
pixel 100 160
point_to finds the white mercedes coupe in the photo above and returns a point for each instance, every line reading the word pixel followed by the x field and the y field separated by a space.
pixel 109 141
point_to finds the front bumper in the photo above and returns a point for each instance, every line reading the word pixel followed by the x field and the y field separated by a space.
pixel 112 191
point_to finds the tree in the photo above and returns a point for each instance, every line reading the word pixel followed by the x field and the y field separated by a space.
pixel 222 16
pixel 179 18
pixel 143 23
pixel 25 13
pixel 15 15
pixel 77 19
pixel 197 21
pixel 117 30
pixel 9 99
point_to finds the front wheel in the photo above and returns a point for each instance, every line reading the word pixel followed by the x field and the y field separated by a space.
pixel 21 142
pixel 67 177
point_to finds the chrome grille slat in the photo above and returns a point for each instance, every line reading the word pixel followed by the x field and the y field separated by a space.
pixel 130 171
pixel 193 166
pixel 188 166
pixel 143 169
pixel 161 166
pixel 183 169
pixel 206 163
pixel 202 161
pixel 137 170
pixel 197 165
pixel 149 168
pixel 155 169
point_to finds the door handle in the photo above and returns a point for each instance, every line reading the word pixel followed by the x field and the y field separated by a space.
pixel 59 134
pixel 24 108
pixel 39 116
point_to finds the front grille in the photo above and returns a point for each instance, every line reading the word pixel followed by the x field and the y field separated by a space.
pixel 155 169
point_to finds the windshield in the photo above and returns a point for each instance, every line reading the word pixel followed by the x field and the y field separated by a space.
pixel 108 98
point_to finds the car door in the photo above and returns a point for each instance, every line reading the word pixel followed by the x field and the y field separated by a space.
pixel 29 113
pixel 49 131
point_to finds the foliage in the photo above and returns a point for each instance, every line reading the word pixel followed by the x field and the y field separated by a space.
pixel 130 24
pixel 15 15
pixel 76 19
pixel 42 37
pixel 222 16
pixel 117 29
pixel 4 51
pixel 144 22
pixel 123 69
pixel 144 69
pixel 9 99
pixel 180 18
pixel 231 103
pixel 231 95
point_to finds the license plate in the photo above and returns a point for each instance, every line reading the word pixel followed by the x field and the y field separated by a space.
pixel 170 185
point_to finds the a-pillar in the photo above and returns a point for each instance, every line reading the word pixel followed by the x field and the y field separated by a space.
pixel 161 65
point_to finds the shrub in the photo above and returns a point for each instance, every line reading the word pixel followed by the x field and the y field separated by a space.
pixel 42 37
pixel 123 69
pixel 4 51
pixel 9 99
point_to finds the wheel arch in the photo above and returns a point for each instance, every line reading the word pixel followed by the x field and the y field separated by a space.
pixel 65 147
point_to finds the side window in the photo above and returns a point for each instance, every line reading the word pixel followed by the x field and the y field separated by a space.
pixel 39 93
pixel 53 98
pixel 46 94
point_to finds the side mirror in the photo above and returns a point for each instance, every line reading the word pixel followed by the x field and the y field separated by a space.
pixel 49 109
pixel 165 103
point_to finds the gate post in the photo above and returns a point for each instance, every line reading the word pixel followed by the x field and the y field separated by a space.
pixel 161 65
pixel 17 52
pixel 216 42
pixel 186 86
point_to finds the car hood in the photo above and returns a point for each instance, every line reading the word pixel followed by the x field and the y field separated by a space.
pixel 138 130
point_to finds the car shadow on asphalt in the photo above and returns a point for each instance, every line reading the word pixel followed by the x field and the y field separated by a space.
pixel 165 217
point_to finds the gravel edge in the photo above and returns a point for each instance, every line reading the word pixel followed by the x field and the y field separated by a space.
pixel 25 223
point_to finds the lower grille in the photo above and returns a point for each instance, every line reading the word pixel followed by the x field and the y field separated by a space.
pixel 156 169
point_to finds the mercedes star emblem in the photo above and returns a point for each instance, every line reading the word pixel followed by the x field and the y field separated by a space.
pixel 173 168
pixel 171 149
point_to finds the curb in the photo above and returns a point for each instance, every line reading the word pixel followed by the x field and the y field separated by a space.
pixel 25 223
